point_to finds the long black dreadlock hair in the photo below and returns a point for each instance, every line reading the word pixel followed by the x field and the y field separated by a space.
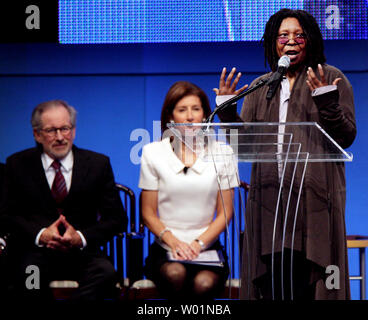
pixel 314 40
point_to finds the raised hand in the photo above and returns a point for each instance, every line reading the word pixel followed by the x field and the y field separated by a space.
pixel 313 82
pixel 226 87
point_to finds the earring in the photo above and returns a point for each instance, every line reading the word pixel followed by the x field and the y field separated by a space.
pixel 172 121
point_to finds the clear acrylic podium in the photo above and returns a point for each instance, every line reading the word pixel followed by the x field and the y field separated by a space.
pixel 285 150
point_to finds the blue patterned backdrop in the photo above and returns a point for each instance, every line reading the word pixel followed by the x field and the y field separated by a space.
pixel 145 21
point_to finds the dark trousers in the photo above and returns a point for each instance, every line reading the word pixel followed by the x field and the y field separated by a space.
pixel 38 267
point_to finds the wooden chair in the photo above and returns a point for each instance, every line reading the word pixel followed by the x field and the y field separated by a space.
pixel 360 243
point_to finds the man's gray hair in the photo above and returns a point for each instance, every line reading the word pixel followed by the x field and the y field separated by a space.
pixel 44 106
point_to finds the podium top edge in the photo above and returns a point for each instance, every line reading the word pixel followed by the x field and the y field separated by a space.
pixel 230 124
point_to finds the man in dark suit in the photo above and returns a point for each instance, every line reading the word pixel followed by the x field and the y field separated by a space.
pixel 61 205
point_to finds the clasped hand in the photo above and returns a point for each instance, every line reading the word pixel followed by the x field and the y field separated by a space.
pixel 52 239
pixel 184 251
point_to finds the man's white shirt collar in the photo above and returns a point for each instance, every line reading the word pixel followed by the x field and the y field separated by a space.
pixel 66 162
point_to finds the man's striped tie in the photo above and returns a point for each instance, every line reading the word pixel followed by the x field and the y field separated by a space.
pixel 58 189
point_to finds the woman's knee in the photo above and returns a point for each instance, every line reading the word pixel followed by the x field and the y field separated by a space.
pixel 205 282
pixel 173 271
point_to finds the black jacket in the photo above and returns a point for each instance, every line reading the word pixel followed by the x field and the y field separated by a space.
pixel 92 206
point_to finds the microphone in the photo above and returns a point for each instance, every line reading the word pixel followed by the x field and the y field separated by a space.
pixel 275 80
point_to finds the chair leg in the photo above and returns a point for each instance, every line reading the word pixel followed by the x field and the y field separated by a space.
pixel 362 274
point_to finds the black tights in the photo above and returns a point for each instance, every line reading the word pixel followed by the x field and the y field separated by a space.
pixel 175 282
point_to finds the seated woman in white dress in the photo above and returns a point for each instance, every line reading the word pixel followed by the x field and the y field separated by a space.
pixel 182 205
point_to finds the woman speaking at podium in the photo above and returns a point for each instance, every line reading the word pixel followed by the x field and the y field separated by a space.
pixel 310 91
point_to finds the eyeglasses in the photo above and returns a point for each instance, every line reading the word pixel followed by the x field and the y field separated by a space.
pixel 299 38
pixel 52 132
